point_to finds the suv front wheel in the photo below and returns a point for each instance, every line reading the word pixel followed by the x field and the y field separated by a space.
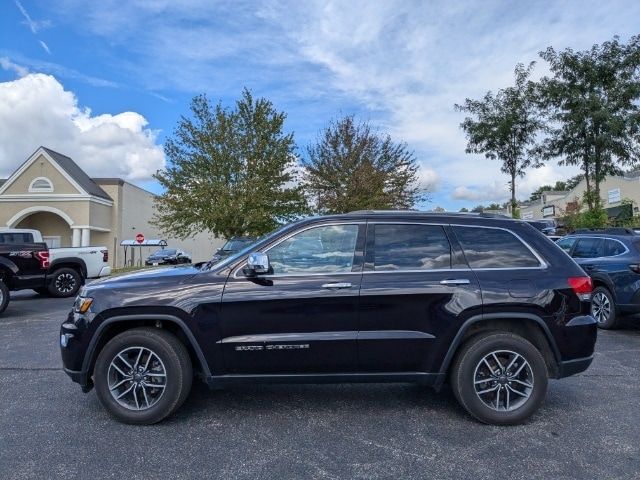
pixel 143 375
pixel 499 378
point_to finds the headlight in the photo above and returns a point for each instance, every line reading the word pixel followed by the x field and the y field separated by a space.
pixel 82 304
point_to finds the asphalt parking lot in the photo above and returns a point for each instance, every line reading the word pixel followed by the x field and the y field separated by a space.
pixel 587 428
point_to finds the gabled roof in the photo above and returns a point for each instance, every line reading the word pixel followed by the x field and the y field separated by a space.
pixel 74 171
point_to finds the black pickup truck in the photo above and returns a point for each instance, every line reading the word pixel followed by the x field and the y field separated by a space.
pixel 22 265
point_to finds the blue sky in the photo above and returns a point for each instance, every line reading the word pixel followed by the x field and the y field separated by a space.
pixel 105 81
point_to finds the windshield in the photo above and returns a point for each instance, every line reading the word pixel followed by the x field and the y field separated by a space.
pixel 209 265
pixel 236 244
pixel 166 251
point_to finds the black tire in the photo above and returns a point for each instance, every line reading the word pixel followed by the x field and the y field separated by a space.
pixel 469 363
pixel 4 296
pixel 603 308
pixel 174 358
pixel 65 282
pixel 42 291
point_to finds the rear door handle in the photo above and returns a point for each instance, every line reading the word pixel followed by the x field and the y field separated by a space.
pixel 455 281
pixel 589 267
pixel 336 285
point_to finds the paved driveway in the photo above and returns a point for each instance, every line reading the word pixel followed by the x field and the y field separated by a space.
pixel 589 426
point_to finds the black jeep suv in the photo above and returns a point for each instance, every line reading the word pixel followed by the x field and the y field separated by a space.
pixel 488 304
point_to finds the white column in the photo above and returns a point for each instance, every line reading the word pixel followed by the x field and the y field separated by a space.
pixel 75 239
pixel 86 237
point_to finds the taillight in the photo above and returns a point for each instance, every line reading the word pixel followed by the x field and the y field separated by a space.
pixel 635 267
pixel 43 256
pixel 105 255
pixel 582 286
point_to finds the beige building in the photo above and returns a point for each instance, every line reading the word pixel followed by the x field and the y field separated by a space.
pixel 51 193
pixel 613 190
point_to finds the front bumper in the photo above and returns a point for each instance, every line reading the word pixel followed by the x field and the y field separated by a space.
pixel 81 378
pixel 73 345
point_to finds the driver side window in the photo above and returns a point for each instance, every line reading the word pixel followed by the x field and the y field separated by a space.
pixel 323 249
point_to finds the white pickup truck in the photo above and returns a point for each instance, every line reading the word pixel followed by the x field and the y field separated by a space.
pixel 69 267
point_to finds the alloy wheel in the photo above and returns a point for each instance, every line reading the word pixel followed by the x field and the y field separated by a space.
pixel 65 283
pixel 601 307
pixel 503 380
pixel 137 378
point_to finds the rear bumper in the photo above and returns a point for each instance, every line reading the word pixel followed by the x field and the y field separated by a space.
pixel 105 272
pixel 571 367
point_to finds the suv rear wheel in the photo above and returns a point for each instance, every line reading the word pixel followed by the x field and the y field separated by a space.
pixel 603 308
pixel 143 375
pixel 499 378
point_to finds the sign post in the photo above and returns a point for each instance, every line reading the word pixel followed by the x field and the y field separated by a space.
pixel 139 238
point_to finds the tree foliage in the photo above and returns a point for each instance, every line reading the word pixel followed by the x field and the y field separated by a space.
pixel 559 186
pixel 230 171
pixel 504 126
pixel 591 99
pixel 350 167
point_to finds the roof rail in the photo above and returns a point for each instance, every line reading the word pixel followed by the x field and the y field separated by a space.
pixel 422 212
pixel 609 230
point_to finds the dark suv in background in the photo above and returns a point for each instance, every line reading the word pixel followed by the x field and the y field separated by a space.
pixel 611 257
pixel 488 304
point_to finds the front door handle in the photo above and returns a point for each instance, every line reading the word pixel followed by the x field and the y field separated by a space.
pixel 456 281
pixel 336 285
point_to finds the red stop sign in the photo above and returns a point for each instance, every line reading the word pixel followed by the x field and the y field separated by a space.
pixel 139 238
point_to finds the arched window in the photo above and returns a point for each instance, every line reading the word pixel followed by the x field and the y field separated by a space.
pixel 41 185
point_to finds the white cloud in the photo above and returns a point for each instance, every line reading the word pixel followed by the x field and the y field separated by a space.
pixel 485 193
pixel 403 63
pixel 7 64
pixel 45 47
pixel 428 179
pixel 36 110
pixel 34 25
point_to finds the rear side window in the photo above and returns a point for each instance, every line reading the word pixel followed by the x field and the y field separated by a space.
pixel 613 248
pixel 16 237
pixel 411 247
pixel 589 248
pixel 566 244
pixel 494 248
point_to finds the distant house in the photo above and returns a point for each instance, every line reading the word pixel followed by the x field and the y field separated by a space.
pixel 51 193
pixel 613 190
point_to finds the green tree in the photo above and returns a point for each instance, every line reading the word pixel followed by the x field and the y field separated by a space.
pixel 504 126
pixel 573 181
pixel 464 210
pixel 591 99
pixel 350 167
pixel 230 171
pixel 478 209
pixel 559 187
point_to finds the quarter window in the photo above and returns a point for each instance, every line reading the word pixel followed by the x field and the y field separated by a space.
pixel 411 247
pixel 588 248
pixel 324 249
pixel 613 248
pixel 494 248
pixel 566 244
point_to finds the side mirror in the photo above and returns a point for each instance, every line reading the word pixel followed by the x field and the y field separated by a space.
pixel 257 263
